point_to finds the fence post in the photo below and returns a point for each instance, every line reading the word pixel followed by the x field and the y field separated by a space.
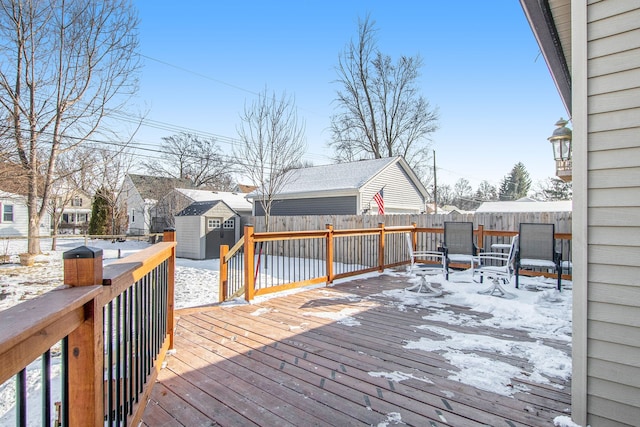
pixel 224 273
pixel 381 247
pixel 329 256
pixel 249 260
pixel 83 267
pixel 480 236
pixel 169 235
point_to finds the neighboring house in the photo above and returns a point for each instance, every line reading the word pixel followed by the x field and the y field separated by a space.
pixel 593 52
pixel 348 189
pixel 179 198
pixel 140 193
pixel 203 226
pixel 243 188
pixel 76 213
pixel 14 215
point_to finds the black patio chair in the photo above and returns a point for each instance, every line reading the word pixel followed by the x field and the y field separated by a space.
pixel 537 249
pixel 458 244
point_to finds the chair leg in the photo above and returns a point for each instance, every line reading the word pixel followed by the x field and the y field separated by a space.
pixel 560 279
pixel 517 278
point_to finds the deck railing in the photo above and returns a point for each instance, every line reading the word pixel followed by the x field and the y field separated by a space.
pixel 263 263
pixel 108 327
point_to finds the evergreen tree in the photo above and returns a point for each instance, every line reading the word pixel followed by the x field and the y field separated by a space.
pixel 98 225
pixel 515 185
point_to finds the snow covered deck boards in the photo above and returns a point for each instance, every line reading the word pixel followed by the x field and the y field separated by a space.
pixel 336 356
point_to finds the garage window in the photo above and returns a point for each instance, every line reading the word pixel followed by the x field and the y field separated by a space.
pixel 228 224
pixel 213 223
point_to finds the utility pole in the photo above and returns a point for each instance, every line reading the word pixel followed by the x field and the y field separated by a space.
pixel 435 184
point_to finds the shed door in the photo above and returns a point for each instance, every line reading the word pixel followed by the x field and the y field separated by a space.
pixel 219 232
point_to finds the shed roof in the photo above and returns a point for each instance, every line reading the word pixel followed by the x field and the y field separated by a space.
pixel 201 208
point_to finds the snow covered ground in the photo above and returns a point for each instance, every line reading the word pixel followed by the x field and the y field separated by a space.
pixel 196 281
pixel 544 313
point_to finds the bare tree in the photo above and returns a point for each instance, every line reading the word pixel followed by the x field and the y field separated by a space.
pixel 486 192
pixel 66 68
pixel 381 112
pixel 74 178
pixel 111 167
pixel 553 189
pixel 273 142
pixel 193 157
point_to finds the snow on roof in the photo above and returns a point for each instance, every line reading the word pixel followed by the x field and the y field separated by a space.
pixel 525 205
pixel 235 201
pixel 341 176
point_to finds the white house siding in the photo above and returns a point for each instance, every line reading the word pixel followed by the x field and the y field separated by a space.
pixel 400 194
pixel 19 225
pixel 190 237
pixel 613 211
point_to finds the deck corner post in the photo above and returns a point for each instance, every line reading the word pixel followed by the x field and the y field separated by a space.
pixel 381 247
pixel 414 235
pixel 169 235
pixel 83 267
pixel 249 263
pixel 329 255
pixel 224 273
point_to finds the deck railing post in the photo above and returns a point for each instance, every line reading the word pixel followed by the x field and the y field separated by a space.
pixel 381 247
pixel 480 236
pixel 83 267
pixel 224 273
pixel 329 255
pixel 169 235
pixel 414 235
pixel 249 261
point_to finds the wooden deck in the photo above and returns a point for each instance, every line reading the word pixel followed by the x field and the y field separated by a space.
pixel 274 364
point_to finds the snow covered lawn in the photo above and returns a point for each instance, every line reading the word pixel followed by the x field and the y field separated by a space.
pixel 196 281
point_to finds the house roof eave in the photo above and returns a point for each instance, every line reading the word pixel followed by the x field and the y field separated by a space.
pixel 545 30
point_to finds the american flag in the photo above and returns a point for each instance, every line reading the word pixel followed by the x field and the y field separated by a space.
pixel 379 199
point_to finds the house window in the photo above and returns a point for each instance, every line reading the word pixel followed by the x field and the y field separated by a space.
pixel 77 201
pixel 7 213
pixel 228 224
pixel 213 223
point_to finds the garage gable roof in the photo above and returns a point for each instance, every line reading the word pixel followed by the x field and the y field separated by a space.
pixel 339 178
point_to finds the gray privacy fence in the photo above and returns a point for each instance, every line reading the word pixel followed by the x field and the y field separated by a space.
pixel 503 222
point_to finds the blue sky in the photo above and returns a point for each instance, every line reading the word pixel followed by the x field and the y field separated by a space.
pixel 203 60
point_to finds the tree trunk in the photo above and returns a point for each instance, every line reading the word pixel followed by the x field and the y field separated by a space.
pixel 33 240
